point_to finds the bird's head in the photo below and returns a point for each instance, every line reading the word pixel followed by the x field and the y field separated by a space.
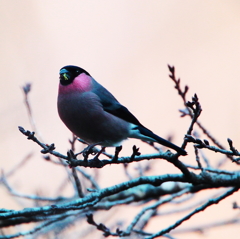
pixel 69 73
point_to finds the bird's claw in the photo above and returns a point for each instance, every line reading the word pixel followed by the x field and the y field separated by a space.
pixel 90 150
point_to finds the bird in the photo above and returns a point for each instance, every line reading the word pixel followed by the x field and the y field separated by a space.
pixel 94 115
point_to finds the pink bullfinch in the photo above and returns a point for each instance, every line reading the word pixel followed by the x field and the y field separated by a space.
pixel 94 115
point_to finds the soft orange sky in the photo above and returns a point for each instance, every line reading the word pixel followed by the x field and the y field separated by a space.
pixel 126 46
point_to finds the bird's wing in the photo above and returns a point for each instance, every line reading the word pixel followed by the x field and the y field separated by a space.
pixel 122 112
pixel 112 106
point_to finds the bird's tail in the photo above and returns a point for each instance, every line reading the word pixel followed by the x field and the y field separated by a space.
pixel 155 138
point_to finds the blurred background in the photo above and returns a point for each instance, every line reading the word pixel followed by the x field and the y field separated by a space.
pixel 126 46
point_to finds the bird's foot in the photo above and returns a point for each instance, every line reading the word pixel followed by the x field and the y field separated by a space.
pixel 98 154
pixel 88 150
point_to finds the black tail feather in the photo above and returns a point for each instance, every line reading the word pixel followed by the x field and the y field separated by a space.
pixel 160 140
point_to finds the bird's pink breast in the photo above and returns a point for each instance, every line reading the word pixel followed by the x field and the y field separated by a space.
pixel 81 83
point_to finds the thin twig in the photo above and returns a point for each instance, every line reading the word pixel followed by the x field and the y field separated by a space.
pixel 197 210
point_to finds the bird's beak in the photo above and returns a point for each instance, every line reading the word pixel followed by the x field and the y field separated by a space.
pixel 64 74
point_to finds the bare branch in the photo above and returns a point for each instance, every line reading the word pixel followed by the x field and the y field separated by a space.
pixel 199 209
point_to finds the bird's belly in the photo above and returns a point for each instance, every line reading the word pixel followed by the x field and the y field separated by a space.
pixel 92 124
